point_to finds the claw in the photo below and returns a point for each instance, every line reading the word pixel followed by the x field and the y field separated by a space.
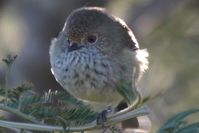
pixel 102 116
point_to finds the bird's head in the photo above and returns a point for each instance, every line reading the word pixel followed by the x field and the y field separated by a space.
pixel 93 27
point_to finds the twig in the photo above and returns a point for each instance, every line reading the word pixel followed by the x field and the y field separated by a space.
pixel 8 61
pixel 6 84
pixel 93 125
pixel 127 114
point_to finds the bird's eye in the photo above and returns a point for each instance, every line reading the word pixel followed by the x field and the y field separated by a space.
pixel 91 38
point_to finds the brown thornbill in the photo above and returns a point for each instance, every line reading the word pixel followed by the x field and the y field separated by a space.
pixel 93 53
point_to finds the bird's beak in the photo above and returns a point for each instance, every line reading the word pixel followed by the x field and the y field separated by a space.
pixel 74 46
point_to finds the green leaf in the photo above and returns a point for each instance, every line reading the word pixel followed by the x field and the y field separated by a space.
pixel 177 122
pixel 192 128
pixel 125 90
pixel 14 94
pixel 54 107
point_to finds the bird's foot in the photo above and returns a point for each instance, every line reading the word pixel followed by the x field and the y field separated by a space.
pixel 102 116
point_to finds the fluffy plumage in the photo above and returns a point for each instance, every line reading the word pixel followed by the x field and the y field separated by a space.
pixel 93 53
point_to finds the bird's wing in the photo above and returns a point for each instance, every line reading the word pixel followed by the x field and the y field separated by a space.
pixel 132 42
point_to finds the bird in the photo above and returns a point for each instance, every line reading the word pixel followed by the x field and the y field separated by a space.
pixel 94 52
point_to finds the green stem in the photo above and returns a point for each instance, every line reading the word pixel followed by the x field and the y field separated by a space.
pixel 91 126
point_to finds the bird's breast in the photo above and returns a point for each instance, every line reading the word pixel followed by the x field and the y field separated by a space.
pixel 88 76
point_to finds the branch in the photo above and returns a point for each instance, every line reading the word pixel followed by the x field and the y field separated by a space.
pixel 93 125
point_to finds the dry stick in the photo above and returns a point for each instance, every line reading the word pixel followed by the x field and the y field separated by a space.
pixel 93 125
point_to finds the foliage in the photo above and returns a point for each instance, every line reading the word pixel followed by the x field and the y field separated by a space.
pixel 51 108
pixel 14 94
pixel 178 124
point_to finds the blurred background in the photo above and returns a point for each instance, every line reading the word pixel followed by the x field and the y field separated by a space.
pixel 169 29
